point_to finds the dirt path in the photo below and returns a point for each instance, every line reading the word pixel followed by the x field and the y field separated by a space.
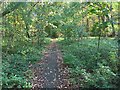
pixel 50 71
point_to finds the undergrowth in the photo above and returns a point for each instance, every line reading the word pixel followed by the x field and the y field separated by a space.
pixel 90 66
pixel 16 61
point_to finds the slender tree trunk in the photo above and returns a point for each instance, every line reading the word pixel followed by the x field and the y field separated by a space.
pixel 27 29
pixel 111 20
pixel 113 28
pixel 38 36
pixel 119 32
pixel 99 35
pixel 93 21
pixel 118 66
pixel 119 43
pixel 87 25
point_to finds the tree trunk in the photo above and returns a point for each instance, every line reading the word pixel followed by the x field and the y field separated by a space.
pixel 113 28
pixel 118 44
pixel 87 25
pixel 27 29
pixel 111 18
pixel 99 36
pixel 119 33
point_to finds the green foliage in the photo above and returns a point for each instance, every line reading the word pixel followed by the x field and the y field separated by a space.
pixel 28 27
pixel 15 81
pixel 89 67
pixel 16 71
pixel 70 60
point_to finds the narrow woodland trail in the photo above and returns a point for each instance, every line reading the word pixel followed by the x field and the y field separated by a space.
pixel 50 71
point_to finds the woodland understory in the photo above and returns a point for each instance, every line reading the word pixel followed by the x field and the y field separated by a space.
pixel 71 44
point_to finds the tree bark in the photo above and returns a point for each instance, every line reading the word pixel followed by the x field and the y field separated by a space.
pixel 99 36
pixel 119 44
pixel 87 25
pixel 118 32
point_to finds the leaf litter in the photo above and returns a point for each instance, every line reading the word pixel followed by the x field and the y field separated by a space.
pixel 50 72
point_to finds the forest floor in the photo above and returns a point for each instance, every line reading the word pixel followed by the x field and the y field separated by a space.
pixel 50 72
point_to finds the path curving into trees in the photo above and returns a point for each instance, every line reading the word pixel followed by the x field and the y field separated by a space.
pixel 50 71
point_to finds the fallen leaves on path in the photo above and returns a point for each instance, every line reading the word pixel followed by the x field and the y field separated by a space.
pixel 50 72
